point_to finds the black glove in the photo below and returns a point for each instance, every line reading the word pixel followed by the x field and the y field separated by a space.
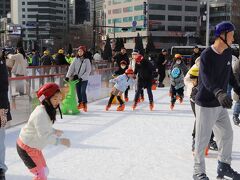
pixel 67 79
pixel 80 79
pixel 224 100
pixel 75 77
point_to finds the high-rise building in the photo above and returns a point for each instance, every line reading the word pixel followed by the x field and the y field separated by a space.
pixel 82 10
pixel 4 8
pixel 174 22
pixel 220 10
pixel 42 20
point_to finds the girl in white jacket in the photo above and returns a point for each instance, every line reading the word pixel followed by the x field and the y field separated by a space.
pixel 121 84
pixel 38 132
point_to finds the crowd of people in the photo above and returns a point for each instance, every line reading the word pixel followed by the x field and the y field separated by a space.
pixel 207 93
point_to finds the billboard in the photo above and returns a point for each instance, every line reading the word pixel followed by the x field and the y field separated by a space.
pixel 14 29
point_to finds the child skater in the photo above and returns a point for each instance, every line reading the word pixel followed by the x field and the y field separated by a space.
pixel 123 67
pixel 38 132
pixel 121 84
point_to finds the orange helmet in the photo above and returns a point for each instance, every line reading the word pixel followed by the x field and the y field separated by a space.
pixel 178 56
pixel 129 71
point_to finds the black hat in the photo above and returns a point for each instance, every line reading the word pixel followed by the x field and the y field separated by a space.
pixel 196 47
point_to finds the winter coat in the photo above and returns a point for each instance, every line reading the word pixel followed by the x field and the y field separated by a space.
pixel 194 57
pixel 177 82
pixel 38 132
pixel 181 66
pixel 80 67
pixel 120 71
pixel 121 57
pixel 20 64
pixel 236 73
pixel 60 60
pixel 159 62
pixel 144 72
pixel 122 82
pixel 46 60
pixel 35 60
pixel 4 102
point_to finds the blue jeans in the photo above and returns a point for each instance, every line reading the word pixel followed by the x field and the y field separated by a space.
pixel 236 108
pixel 2 149
pixel 81 91
pixel 229 90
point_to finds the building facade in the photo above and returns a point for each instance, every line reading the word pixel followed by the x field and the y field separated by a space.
pixel 42 21
pixel 82 11
pixel 4 8
pixel 174 22
pixel 220 10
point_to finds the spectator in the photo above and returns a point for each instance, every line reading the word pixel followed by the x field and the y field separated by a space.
pixel 4 112
pixel 195 55
pixel 161 66
pixel 122 56
pixel 19 68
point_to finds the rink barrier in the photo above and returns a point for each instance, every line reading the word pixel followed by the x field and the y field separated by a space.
pixel 22 104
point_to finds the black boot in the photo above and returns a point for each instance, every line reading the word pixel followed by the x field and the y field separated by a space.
pixel 2 174
pixel 225 169
pixel 200 177
pixel 193 144
pixel 213 145
pixel 236 120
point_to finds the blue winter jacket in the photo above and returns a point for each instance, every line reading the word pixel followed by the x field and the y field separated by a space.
pixel 122 82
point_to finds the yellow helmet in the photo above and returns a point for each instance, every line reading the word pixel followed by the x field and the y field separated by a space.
pixel 60 51
pixel 178 56
pixel 194 71
pixel 46 52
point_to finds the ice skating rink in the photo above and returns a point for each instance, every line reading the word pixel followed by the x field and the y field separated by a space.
pixel 129 145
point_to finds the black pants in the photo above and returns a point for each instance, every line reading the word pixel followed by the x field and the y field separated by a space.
pixel 162 75
pixel 126 92
pixel 139 91
pixel 118 98
pixel 174 92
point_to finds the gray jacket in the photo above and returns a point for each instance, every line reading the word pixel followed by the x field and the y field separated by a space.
pixel 84 71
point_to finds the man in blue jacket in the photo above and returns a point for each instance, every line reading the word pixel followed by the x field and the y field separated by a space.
pixel 212 103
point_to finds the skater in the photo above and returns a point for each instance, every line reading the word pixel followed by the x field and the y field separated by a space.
pixel 177 72
pixel 195 55
pixel 161 66
pixel 38 132
pixel 144 71
pixel 121 70
pixel 176 86
pixel 80 70
pixel 193 74
pixel 5 114
pixel 212 103
pixel 122 82
pixel 236 108
pixel 136 54
pixel 121 56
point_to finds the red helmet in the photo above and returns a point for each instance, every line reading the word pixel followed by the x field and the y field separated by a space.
pixel 83 48
pixel 138 58
pixel 129 71
pixel 47 91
